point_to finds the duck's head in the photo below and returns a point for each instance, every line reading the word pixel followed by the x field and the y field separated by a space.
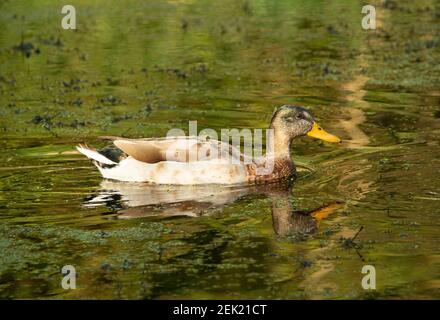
pixel 290 122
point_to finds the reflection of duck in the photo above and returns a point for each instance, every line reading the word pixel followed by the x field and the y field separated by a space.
pixel 142 199
pixel 136 200
pixel 189 161
pixel 287 221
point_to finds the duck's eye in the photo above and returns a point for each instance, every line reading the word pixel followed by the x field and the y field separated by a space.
pixel 299 116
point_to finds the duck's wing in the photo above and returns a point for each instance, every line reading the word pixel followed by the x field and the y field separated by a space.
pixel 181 149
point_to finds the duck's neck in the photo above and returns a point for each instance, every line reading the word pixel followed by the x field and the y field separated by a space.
pixel 281 145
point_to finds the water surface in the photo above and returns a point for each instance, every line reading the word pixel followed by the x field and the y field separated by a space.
pixel 138 68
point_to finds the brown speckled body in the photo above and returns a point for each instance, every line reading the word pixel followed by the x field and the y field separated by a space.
pixel 283 169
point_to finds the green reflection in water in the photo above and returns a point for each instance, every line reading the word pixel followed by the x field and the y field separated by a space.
pixel 138 69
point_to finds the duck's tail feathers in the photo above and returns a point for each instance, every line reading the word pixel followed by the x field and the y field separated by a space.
pixel 94 155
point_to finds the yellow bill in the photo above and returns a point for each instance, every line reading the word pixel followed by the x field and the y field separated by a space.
pixel 319 133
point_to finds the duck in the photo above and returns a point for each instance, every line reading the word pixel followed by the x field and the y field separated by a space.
pixel 189 160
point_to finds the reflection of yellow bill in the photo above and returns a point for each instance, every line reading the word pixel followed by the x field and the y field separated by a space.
pixel 324 212
pixel 319 133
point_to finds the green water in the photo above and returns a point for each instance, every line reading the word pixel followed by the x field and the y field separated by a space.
pixel 138 69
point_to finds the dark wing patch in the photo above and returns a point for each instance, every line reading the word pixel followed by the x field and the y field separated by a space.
pixel 112 153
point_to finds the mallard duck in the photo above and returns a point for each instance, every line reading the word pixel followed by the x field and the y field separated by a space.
pixel 170 160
